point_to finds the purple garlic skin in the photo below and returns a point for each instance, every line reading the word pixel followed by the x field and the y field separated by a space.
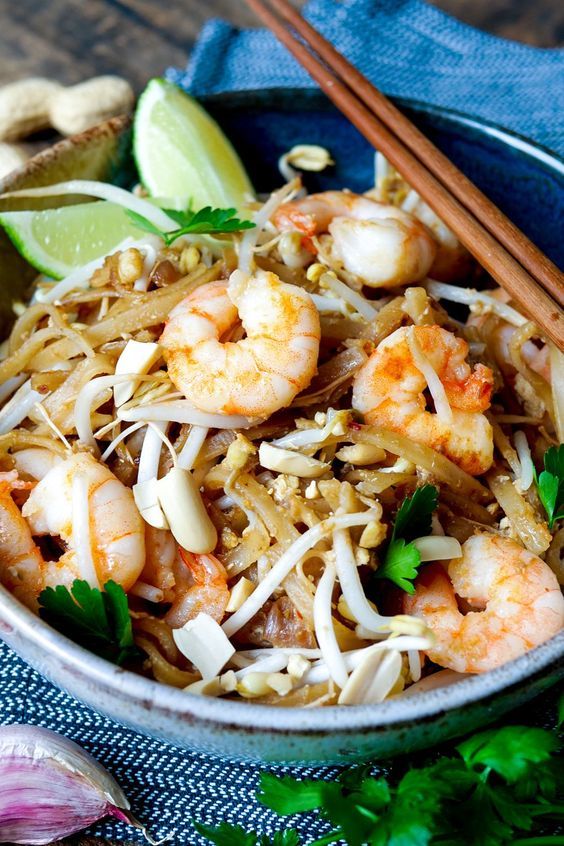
pixel 51 788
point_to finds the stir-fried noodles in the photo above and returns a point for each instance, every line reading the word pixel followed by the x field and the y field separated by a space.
pixel 307 451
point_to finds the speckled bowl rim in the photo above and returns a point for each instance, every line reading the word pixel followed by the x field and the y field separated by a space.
pixel 79 663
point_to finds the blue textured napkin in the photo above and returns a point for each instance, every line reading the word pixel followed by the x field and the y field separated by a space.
pixel 409 49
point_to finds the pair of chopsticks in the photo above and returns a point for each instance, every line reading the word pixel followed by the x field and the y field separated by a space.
pixel 530 278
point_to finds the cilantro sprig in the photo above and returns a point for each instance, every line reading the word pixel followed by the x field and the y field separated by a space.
pixel 402 559
pixel 233 835
pixel 206 221
pixel 550 484
pixel 94 619
pixel 494 789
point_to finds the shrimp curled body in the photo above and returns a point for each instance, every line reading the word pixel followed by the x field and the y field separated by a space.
pixel 389 388
pixel 111 539
pixel 200 589
pixel 515 599
pixel 379 243
pixel 254 376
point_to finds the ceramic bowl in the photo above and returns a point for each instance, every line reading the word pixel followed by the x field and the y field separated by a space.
pixel 527 182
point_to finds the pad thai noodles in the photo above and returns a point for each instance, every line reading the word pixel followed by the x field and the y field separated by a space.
pixel 308 450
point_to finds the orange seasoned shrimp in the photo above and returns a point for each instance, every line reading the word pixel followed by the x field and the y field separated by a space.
pixel 204 590
pixel 161 561
pixel 389 388
pixel 21 562
pixel 515 599
pixel 379 243
pixel 258 374
pixel 80 503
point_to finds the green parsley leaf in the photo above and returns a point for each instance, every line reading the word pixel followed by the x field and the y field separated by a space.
pixel 285 795
pixel 98 621
pixel 402 560
pixel 225 834
pixel 550 484
pixel 207 221
pixel 413 519
pixel 400 565
pixel 508 751
pixel 290 837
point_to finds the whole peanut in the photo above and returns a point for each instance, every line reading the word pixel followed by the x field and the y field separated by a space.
pixel 24 107
pixel 81 106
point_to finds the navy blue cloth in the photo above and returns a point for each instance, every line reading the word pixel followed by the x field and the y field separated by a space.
pixel 408 49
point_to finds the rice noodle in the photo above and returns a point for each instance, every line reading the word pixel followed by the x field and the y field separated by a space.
pixel 423 456
pixel 287 562
pixel 138 311
pixel 324 631
pixel 81 530
pixel 436 387
pixel 524 521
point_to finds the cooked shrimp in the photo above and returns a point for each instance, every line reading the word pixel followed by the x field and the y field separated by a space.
pixel 389 388
pixel 381 244
pixel 258 374
pixel 452 261
pixel 204 591
pixel 21 562
pixel 161 561
pixel 106 542
pixel 34 462
pixel 516 601
pixel 500 336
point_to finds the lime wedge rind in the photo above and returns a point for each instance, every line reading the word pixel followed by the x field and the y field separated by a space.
pixel 57 241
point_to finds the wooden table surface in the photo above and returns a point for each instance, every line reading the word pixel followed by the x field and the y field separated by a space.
pixel 71 40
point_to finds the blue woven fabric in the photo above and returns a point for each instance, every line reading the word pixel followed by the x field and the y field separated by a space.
pixel 409 49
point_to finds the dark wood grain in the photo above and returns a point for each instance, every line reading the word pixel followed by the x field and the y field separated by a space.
pixel 71 40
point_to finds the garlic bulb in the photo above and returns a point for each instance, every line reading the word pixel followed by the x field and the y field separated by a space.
pixel 50 787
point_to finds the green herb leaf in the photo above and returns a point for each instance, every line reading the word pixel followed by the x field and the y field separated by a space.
pixel 550 484
pixel 413 519
pixel 402 560
pixel 286 795
pixel 207 221
pixel 226 835
pixel 98 621
pixel 290 837
pixel 400 565
pixel 508 751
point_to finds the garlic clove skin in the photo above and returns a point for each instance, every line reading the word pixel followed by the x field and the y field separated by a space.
pixel 51 788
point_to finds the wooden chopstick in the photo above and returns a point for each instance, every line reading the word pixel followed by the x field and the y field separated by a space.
pixel 500 226
pixel 504 268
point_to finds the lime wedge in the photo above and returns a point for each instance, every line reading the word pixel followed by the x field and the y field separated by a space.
pixel 57 241
pixel 181 151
